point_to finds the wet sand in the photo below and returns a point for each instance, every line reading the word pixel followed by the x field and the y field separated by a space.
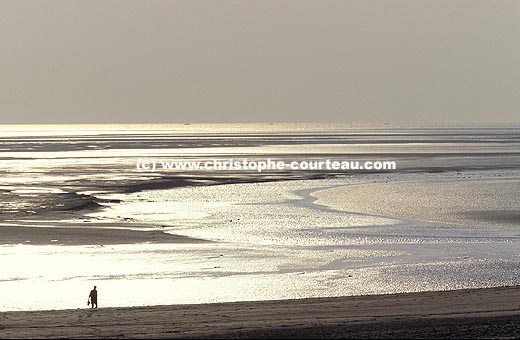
pixel 47 192
pixel 74 236
pixel 484 200
pixel 477 313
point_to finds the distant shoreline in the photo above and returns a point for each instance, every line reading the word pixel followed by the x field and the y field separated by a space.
pixel 468 313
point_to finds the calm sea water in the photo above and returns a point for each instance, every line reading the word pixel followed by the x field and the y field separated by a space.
pixel 447 218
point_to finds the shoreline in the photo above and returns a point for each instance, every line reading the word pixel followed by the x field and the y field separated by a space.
pixel 466 313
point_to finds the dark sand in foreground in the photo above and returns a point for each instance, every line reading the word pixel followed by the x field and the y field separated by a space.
pixel 477 313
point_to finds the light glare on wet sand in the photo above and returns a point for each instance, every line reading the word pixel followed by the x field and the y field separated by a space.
pixel 253 237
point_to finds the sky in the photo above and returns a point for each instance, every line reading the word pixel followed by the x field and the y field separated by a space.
pixel 367 61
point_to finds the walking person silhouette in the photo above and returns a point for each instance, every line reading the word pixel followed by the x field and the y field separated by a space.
pixel 92 298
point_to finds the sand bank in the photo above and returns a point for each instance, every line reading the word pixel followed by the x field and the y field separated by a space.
pixel 73 236
pixel 478 313
pixel 480 200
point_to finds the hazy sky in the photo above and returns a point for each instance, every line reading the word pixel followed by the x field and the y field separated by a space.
pixel 259 61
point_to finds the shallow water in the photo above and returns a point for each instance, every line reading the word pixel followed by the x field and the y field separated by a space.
pixel 446 219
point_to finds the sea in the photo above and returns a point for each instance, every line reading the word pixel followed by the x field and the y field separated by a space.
pixel 78 210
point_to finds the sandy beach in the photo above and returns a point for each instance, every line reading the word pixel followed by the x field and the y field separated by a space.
pixel 477 313
pixel 314 248
pixel 260 169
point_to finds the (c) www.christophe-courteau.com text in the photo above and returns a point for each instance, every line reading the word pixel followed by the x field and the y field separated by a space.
pixel 152 165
